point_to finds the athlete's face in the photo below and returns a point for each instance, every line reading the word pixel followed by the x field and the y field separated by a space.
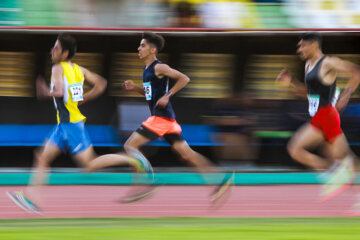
pixel 57 54
pixel 145 49
pixel 306 49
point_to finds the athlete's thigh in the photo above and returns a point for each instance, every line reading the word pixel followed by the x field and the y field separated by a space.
pixel 136 140
pixel 339 148
pixel 307 136
pixel 48 153
pixel 84 157
pixel 181 147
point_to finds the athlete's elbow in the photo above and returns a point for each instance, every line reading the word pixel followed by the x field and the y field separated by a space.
pixel 186 80
pixel 101 85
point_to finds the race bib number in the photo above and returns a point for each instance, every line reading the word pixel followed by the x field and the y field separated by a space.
pixel 147 89
pixel 76 90
pixel 314 101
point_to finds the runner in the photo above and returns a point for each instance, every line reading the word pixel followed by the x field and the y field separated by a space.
pixel 324 127
pixel 69 135
pixel 162 122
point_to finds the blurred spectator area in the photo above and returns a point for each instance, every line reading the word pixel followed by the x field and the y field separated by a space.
pixel 182 13
pixel 323 13
pixel 211 74
pixel 261 72
pixel 17 74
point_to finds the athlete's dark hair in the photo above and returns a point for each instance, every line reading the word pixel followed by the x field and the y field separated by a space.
pixel 68 43
pixel 155 39
pixel 311 37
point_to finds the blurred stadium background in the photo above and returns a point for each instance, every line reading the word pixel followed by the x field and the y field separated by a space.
pixel 182 13
pixel 232 111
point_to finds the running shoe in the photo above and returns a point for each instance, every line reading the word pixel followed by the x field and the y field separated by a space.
pixel 223 187
pixel 338 181
pixel 144 164
pixel 24 202
pixel 142 195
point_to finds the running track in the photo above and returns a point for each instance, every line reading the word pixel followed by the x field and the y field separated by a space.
pixel 182 201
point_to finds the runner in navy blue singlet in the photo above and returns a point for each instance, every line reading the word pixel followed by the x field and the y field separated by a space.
pixel 162 121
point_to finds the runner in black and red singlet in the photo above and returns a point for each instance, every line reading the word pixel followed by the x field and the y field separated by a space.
pixel 324 127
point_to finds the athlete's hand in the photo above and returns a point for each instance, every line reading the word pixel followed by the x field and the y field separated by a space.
pixel 129 85
pixel 284 78
pixel 82 102
pixel 163 101
pixel 42 89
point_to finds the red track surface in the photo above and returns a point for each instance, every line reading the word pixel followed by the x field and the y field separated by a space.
pixel 182 201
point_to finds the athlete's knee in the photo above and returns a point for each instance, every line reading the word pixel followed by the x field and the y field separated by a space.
pixel 89 168
pixel 129 147
pixel 293 150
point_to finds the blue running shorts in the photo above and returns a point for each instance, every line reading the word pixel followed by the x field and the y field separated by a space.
pixel 71 137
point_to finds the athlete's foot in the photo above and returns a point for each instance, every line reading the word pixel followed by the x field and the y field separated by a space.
pixel 222 188
pixel 142 164
pixel 338 180
pixel 24 202
pixel 140 195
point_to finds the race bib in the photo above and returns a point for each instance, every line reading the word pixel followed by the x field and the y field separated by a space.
pixel 147 89
pixel 314 101
pixel 76 90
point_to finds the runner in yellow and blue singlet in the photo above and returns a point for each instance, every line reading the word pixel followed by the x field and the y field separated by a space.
pixel 70 133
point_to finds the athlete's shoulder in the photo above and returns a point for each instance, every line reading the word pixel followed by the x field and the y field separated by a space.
pixel 57 68
pixel 331 61
pixel 83 70
pixel 161 66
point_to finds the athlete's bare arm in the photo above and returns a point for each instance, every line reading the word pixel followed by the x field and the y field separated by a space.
pixel 339 65
pixel 129 85
pixel 285 78
pixel 42 88
pixel 98 84
pixel 181 79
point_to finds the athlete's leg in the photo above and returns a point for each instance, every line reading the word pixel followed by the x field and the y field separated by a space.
pixel 203 165
pixel 339 148
pixel 43 158
pixel 193 158
pixel 340 176
pixel 92 162
pixel 132 148
pixel 135 141
pixel 306 137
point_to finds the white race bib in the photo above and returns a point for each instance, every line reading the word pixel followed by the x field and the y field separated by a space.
pixel 76 90
pixel 314 101
pixel 147 89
